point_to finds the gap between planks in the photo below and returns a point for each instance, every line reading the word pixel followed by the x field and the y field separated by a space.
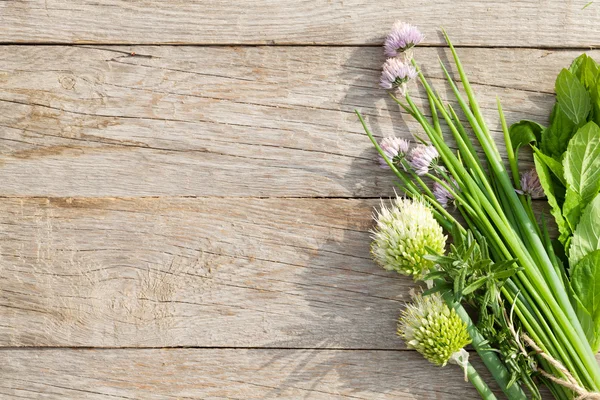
pixel 285 45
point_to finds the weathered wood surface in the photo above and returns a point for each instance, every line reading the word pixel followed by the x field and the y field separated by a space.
pixel 548 23
pixel 155 374
pixel 194 272
pixel 234 121
pixel 218 198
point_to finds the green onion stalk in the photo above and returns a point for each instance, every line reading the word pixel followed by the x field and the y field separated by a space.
pixel 489 203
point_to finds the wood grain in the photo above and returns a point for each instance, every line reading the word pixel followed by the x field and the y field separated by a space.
pixel 194 272
pixel 228 374
pixel 518 23
pixel 234 121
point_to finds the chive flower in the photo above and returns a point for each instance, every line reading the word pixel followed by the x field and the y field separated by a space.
pixel 442 195
pixel 396 73
pixel 531 185
pixel 429 326
pixel 402 37
pixel 393 147
pixel 401 236
pixel 422 158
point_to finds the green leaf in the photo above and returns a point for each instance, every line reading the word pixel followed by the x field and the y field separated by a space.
pixel 587 322
pixel 572 208
pixel 585 280
pixel 473 286
pixel 557 135
pixel 555 210
pixel 585 69
pixel 555 166
pixel 586 237
pixel 572 97
pixel 595 94
pixel 524 132
pixel 582 163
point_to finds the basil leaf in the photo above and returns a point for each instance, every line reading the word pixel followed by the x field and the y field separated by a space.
pixel 586 237
pixel 587 323
pixel 585 69
pixel 585 281
pixel 572 97
pixel 556 137
pixel 582 163
pixel 555 210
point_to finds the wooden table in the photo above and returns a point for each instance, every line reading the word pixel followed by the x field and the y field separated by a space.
pixel 186 193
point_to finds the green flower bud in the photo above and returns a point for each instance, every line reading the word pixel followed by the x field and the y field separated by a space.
pixel 401 236
pixel 429 326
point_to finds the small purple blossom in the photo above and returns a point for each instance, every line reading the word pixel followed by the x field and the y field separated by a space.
pixel 396 73
pixel 402 37
pixel 530 185
pixel 442 195
pixel 393 147
pixel 422 158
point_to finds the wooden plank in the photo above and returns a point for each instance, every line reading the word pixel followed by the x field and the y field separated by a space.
pixel 194 272
pixel 173 121
pixel 471 22
pixel 228 374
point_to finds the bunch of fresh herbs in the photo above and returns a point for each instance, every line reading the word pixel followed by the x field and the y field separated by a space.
pixel 537 297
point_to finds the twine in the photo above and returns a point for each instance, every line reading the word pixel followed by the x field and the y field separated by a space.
pixel 570 382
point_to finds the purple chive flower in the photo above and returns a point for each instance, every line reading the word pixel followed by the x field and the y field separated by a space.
pixel 396 73
pixel 393 147
pixel 442 195
pixel 402 37
pixel 422 158
pixel 530 185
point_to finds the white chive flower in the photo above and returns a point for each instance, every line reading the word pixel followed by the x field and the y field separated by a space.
pixel 401 236
pixel 429 326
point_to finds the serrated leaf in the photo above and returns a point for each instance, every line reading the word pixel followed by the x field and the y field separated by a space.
pixel 585 69
pixel 546 182
pixel 572 97
pixel 586 238
pixel 582 163
pixel 557 135
pixel 585 281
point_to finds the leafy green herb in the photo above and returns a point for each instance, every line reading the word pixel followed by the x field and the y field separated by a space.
pixel 586 238
pixel 572 97
pixel 585 69
pixel 549 190
pixel 582 162
pixel 523 133
pixel 555 166
pixel 585 280
pixel 557 135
